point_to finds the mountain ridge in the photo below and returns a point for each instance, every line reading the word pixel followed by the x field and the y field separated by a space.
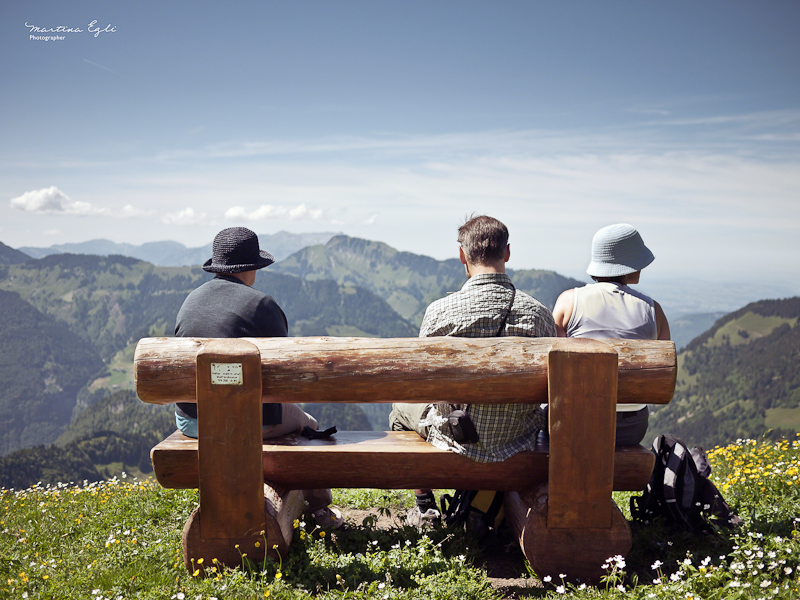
pixel 408 282
pixel 174 254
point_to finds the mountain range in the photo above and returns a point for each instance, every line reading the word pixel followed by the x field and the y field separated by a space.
pixel 95 308
pixel 66 355
pixel 174 254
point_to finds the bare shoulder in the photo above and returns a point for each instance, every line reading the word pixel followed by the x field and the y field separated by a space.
pixel 661 322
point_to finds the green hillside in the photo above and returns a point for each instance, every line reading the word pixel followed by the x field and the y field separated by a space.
pixel 408 282
pixel 43 365
pixel 323 307
pixel 109 302
pixel 79 317
pixel 739 379
pixel 111 437
pixel 10 256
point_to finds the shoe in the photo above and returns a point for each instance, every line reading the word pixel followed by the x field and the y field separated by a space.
pixel 421 520
pixel 328 517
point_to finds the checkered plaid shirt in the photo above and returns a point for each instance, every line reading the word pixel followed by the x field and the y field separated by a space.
pixel 477 311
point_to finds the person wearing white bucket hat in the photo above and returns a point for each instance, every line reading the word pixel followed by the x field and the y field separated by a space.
pixel 610 308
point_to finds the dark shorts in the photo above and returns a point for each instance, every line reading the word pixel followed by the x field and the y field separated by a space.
pixel 631 428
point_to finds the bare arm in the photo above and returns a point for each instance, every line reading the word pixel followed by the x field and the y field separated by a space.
pixel 562 312
pixel 661 323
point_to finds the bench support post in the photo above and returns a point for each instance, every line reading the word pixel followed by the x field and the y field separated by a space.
pixel 571 525
pixel 238 515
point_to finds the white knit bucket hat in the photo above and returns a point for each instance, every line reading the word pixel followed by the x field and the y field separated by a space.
pixel 618 250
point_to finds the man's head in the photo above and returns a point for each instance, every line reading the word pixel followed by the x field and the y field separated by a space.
pixel 484 242
pixel 235 250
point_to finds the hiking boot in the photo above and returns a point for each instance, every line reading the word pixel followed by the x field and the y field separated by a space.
pixel 328 517
pixel 423 520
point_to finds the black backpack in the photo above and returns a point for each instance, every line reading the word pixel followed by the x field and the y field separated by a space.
pixel 476 510
pixel 679 490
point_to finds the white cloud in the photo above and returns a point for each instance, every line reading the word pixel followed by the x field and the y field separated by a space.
pixel 265 211
pixel 268 211
pixel 187 216
pixel 302 212
pixel 131 211
pixel 53 201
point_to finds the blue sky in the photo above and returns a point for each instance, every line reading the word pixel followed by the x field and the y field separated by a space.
pixel 391 121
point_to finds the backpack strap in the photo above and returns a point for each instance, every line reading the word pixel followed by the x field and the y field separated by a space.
pixel 508 311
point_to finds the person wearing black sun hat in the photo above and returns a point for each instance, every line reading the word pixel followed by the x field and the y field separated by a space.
pixel 228 307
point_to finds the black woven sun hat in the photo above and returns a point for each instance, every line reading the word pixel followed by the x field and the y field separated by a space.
pixel 236 250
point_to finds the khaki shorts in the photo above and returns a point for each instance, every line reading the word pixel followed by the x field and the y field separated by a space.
pixel 406 416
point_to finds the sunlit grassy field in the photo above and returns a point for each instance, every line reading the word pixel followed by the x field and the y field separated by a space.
pixel 122 539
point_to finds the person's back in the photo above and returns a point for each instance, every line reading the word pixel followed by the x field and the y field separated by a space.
pixel 228 307
pixel 487 305
pixel 610 308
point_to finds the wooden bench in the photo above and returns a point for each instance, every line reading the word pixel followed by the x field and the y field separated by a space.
pixel 559 501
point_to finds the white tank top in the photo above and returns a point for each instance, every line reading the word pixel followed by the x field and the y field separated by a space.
pixel 612 310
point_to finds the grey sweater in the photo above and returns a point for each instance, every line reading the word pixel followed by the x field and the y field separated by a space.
pixel 228 308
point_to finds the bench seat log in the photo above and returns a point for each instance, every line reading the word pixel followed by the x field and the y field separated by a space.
pixel 559 499
pixel 386 459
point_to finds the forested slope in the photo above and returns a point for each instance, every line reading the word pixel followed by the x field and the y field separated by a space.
pixel 739 379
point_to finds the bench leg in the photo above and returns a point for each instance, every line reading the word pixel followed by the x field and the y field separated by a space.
pixel 281 508
pixel 577 553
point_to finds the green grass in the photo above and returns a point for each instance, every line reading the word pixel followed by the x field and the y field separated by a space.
pixel 754 326
pixel 122 539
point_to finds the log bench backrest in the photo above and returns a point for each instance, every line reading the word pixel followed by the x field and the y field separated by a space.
pixel 443 369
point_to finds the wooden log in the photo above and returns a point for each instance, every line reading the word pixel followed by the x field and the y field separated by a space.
pixel 281 507
pixel 238 516
pixel 582 383
pixel 487 370
pixel 386 459
pixel 229 417
pixel 578 553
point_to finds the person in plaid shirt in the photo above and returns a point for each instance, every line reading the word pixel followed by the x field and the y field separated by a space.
pixel 487 305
